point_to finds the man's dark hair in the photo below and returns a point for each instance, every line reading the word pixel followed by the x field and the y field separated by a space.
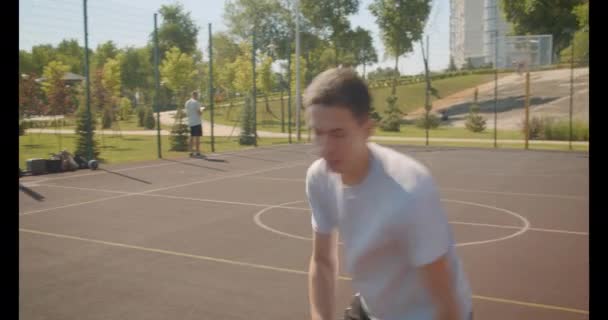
pixel 339 87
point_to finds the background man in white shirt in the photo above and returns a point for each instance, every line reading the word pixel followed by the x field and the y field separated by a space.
pixel 194 113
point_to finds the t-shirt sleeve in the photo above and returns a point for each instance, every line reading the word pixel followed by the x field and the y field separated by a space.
pixel 323 217
pixel 427 231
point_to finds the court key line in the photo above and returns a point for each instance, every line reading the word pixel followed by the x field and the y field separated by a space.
pixel 272 268
pixel 242 174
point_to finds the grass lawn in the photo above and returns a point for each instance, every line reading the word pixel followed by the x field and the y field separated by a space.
pixel 411 97
pixel 115 149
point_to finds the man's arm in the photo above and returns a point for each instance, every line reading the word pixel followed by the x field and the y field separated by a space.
pixel 322 276
pixel 440 282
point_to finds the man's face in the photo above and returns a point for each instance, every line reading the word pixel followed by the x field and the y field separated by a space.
pixel 339 137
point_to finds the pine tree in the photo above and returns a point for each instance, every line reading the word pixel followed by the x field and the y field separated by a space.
pixel 475 122
pixel 392 118
pixel 247 135
pixel 82 133
pixel 149 121
pixel 179 132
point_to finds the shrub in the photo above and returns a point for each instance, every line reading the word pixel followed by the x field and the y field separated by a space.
pixel 179 133
pixel 141 113
pixel 149 121
pixel 126 109
pixel 247 135
pixel 392 119
pixel 432 122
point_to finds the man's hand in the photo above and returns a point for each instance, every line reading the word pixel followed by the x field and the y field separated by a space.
pixel 322 276
pixel 440 282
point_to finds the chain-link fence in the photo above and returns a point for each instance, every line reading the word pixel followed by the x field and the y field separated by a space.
pixel 535 96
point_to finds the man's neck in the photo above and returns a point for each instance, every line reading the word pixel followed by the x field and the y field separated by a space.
pixel 359 172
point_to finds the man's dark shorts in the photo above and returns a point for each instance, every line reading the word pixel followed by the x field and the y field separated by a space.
pixel 196 131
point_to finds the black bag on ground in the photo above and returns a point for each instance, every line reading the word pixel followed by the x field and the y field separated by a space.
pixel 82 162
pixel 53 166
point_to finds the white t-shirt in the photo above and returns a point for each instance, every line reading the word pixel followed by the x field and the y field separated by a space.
pixel 390 223
pixel 192 107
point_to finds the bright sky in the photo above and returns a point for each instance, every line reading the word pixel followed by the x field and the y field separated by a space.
pixel 128 23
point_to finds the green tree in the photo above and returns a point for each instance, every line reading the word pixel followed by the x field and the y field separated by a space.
pixel 136 72
pixel 303 68
pixel 82 131
pixel 247 135
pixel 41 56
pixel 265 17
pixel 72 54
pixel 392 116
pixel 100 96
pixel 331 19
pixel 474 121
pixel 243 70
pixel 30 97
pixel 110 84
pixel 112 77
pixel 103 53
pixel 581 36
pixel 363 48
pixel 126 109
pixel 226 81
pixel 58 95
pixel 149 121
pixel 178 72
pixel 179 134
pixel 401 23
pixel 266 81
pixel 555 17
pixel 176 30
pixel 225 49
pixel 26 63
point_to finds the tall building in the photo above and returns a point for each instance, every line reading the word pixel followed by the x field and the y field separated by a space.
pixel 495 29
pixel 466 32
pixel 474 25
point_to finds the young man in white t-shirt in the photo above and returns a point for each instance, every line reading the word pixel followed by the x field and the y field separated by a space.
pixel 194 113
pixel 398 244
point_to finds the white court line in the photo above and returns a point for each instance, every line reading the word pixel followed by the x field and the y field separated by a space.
pixel 250 204
pixel 516 227
pixel 272 268
pixel 540 195
pixel 273 206
pixel 559 196
pixel 522 229
pixel 293 164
